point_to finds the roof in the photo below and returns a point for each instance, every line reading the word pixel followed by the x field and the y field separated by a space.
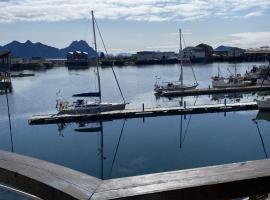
pixel 4 53
pixel 197 49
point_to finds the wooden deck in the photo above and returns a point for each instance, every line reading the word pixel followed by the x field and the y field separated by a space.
pixel 138 113
pixel 50 181
pixel 205 91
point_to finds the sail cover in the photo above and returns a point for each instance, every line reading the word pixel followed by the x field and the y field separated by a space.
pixel 88 94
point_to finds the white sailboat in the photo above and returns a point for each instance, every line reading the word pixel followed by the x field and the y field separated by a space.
pixel 83 106
pixel 175 85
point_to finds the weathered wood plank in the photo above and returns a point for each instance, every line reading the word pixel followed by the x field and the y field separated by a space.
pixel 148 112
pixel 45 180
pixel 216 182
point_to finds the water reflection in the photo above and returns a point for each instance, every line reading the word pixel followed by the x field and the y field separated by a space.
pixel 262 116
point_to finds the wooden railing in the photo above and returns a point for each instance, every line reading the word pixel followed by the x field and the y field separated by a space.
pixel 51 181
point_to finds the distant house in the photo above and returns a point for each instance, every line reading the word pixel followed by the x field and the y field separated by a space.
pixel 258 54
pixel 4 61
pixel 228 51
pixel 143 56
pixel 77 55
pixel 207 49
pixel 194 53
pixel 77 59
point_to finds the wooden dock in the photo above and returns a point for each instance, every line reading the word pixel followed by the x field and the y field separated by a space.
pixel 50 181
pixel 140 113
pixel 205 91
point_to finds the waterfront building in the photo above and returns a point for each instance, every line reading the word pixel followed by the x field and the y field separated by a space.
pixel 257 54
pixel 227 51
pixel 208 50
pixel 194 53
pixel 5 82
pixel 77 58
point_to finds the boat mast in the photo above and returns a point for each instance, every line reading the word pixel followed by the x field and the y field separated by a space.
pixel 97 57
pixel 181 58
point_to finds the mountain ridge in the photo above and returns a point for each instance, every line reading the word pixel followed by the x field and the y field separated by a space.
pixel 29 49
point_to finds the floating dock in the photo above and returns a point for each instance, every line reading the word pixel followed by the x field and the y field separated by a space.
pixel 140 113
pixel 205 91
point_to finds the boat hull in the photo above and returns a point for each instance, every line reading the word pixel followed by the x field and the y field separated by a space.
pixel 217 84
pixel 179 88
pixel 263 105
pixel 93 109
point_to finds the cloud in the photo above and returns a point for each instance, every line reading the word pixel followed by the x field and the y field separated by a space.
pixel 250 39
pixel 138 10
pixel 253 14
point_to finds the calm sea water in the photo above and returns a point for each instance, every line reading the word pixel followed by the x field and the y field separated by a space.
pixel 133 146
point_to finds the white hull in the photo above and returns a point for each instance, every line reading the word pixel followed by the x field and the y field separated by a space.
pixel 223 84
pixel 104 107
pixel 173 87
pixel 262 82
pixel 263 104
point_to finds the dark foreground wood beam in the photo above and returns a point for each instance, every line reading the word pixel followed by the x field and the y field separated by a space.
pixel 45 180
pixel 217 182
pixel 50 181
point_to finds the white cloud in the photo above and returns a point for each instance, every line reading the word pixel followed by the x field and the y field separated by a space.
pixel 250 39
pixel 254 14
pixel 140 10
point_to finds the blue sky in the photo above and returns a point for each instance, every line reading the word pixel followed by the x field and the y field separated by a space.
pixel 133 25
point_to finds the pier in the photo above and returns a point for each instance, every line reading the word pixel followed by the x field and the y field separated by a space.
pixel 50 181
pixel 140 113
pixel 205 91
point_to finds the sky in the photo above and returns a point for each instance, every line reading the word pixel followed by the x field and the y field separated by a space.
pixel 134 25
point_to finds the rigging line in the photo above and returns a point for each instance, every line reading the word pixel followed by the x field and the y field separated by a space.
pixel 186 130
pixel 194 74
pixel 261 138
pixel 114 157
pixel 10 129
pixel 103 43
pixel 190 62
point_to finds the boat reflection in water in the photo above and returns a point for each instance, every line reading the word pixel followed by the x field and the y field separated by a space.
pixel 263 115
pixel 96 128
pixel 233 96
pixel 266 117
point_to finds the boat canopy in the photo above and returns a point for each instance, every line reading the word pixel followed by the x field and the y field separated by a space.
pixel 88 94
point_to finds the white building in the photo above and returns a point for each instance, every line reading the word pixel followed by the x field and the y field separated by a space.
pixel 193 52
pixel 154 55
pixel 235 52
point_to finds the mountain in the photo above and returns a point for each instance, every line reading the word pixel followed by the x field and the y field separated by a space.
pixel 29 49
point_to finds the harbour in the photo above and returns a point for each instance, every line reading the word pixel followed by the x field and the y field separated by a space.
pixel 134 100
pixel 176 135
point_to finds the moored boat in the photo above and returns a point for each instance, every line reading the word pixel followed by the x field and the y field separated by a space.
pixel 176 85
pixel 264 104
pixel 84 106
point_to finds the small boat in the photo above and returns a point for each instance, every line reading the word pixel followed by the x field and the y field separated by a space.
pixel 232 81
pixel 235 80
pixel 83 106
pixel 21 75
pixel 176 85
pixel 264 104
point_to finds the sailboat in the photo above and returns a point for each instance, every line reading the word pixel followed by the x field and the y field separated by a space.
pixel 83 106
pixel 175 85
